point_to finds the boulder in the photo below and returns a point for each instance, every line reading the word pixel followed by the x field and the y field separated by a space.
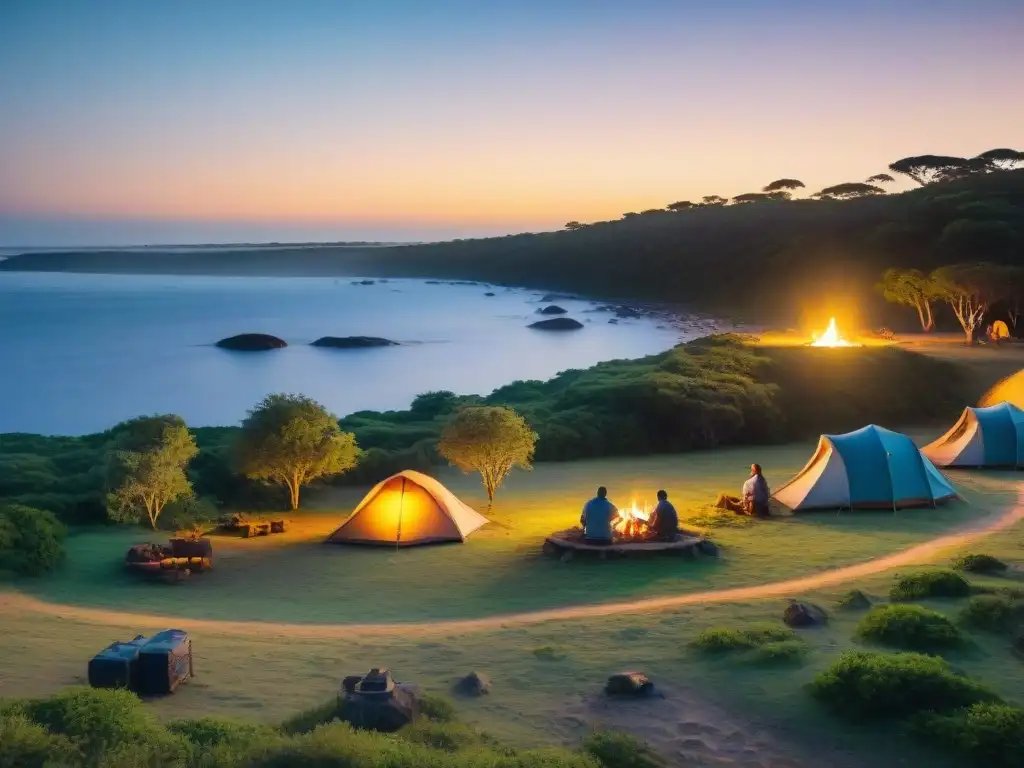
pixel 552 309
pixel 489 293
pixel 557 324
pixel 800 615
pixel 854 600
pixel 353 342
pixel 474 684
pixel 362 282
pixel 707 547
pixel 252 342
pixel 376 702
pixel 629 684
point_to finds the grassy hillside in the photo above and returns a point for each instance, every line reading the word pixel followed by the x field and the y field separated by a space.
pixel 768 259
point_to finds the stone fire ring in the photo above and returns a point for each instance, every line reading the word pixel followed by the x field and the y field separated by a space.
pixel 566 543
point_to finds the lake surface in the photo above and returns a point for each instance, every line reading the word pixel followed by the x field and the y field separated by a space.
pixel 79 353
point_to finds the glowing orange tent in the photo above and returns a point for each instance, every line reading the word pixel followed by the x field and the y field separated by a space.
pixel 406 509
pixel 1009 390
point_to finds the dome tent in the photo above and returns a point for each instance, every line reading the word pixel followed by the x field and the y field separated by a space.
pixel 1009 390
pixel 406 509
pixel 871 468
pixel 982 437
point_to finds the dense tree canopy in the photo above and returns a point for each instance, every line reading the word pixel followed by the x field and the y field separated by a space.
pixel 1003 159
pixel 925 169
pixel 574 225
pixel 849 190
pixel 147 467
pixel 292 440
pixel 490 440
pixel 912 288
pixel 750 197
pixel 713 200
pixel 31 540
pixel 880 178
pixel 682 205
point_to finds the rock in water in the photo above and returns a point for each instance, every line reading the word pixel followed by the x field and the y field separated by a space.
pixel 252 342
pixel 557 324
pixel 552 309
pixel 353 342
pixel 489 293
pixel 629 684
pixel 474 684
pixel 799 615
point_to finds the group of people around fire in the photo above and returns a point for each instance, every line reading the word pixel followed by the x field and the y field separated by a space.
pixel 599 514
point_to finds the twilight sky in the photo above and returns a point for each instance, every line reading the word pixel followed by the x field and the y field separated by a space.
pixel 202 121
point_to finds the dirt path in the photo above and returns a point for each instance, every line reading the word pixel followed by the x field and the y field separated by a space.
pixel 917 553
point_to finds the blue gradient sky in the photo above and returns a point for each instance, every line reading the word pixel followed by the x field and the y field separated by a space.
pixel 160 121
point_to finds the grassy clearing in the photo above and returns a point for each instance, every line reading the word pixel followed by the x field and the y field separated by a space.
pixel 296 578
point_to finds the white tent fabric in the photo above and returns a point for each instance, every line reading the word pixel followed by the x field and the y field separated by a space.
pixel 870 468
pixel 408 508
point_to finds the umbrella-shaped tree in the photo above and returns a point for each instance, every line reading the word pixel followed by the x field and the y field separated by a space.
pixel 970 289
pixel 911 288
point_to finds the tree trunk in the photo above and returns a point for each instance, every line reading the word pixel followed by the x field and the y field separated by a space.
pixel 969 333
pixel 931 320
pixel 920 316
pixel 293 490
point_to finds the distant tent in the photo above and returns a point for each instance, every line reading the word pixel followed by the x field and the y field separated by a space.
pixel 408 508
pixel 983 437
pixel 872 468
pixel 1000 330
pixel 1009 390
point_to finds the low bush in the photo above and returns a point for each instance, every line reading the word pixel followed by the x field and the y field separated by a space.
pixel 993 613
pixel 28 745
pixel 213 732
pixel 437 708
pixel 31 540
pixel 620 750
pixel 919 586
pixel 308 719
pixel 854 600
pixel 979 564
pixel 909 626
pixel 726 639
pixel 780 652
pixel 448 736
pixel 988 734
pixel 868 685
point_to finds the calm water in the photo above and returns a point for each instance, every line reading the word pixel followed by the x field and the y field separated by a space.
pixel 78 353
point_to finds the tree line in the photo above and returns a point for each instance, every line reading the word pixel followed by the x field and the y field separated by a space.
pixel 973 291
pixel 923 169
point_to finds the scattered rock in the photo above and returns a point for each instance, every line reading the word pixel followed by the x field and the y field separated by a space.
pixel 363 282
pixel 800 615
pixel 629 684
pixel 489 293
pixel 854 600
pixel 353 342
pixel 378 703
pixel 707 547
pixel 552 309
pixel 474 684
pixel 557 324
pixel 252 342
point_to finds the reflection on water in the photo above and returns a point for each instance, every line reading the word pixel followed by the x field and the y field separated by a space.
pixel 82 352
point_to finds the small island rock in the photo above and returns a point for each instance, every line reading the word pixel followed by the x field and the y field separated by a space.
pixel 489 293
pixel 557 324
pixel 353 342
pixel 552 309
pixel 252 342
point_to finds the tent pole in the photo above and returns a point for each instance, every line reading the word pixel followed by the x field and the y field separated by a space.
pixel 401 508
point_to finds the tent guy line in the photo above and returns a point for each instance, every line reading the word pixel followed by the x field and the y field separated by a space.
pixel 910 556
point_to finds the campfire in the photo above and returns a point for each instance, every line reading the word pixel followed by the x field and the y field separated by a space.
pixel 632 522
pixel 831 337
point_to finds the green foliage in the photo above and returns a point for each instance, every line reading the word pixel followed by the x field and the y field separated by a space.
pixel 853 600
pixel 714 517
pixel 717 640
pixel 437 708
pixel 993 613
pixel 213 732
pixel 147 467
pixel 28 745
pixel 308 719
pixel 909 626
pixel 445 735
pixel 988 734
pixel 490 440
pixel 292 440
pixel 613 749
pixel 976 563
pixel 911 288
pixel 919 586
pixel 868 685
pixel 780 652
pixel 31 540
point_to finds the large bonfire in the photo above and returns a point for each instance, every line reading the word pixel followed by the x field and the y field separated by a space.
pixel 831 337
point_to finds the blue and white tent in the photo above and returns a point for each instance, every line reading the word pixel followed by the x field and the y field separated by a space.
pixel 872 468
pixel 983 437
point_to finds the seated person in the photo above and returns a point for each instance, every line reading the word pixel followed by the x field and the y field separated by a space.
pixel 664 521
pixel 754 500
pixel 597 517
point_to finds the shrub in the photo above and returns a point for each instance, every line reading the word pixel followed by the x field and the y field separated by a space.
pixel 620 750
pixel 909 626
pixel 308 719
pixel 918 586
pixel 865 685
pixel 28 745
pixel 979 564
pixel 992 613
pixel 448 736
pixel 780 652
pixel 31 540
pixel 725 639
pixel 988 734
pixel 213 732
pixel 437 708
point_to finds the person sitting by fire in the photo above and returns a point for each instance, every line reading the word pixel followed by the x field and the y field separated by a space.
pixel 664 520
pixel 598 515
pixel 754 500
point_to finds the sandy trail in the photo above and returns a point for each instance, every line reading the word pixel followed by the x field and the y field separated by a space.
pixel 911 555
